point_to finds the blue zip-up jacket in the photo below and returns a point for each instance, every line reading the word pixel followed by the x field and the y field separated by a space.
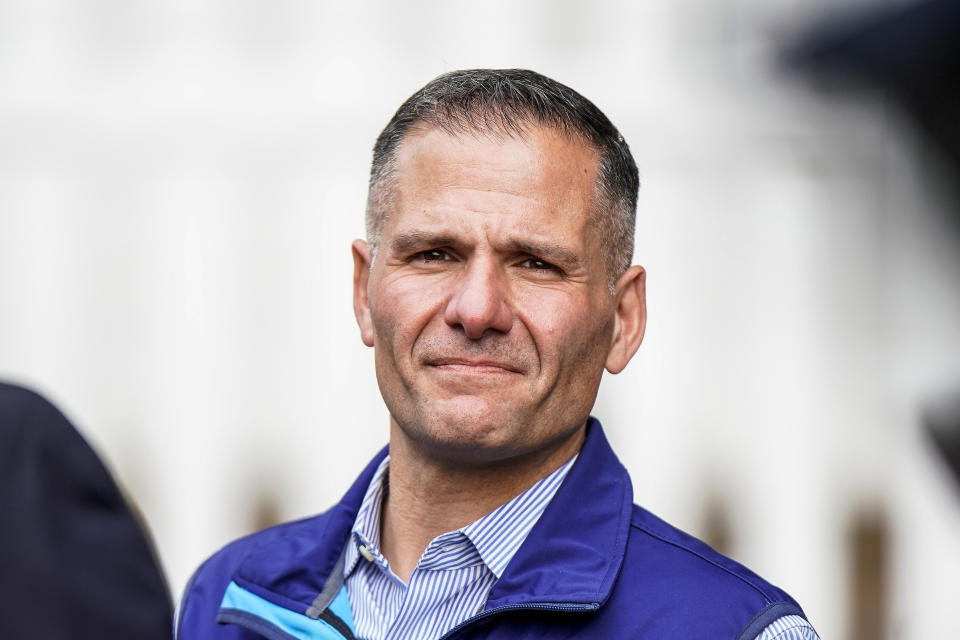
pixel 594 566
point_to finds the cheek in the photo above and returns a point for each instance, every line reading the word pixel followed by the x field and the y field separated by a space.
pixel 570 333
pixel 400 309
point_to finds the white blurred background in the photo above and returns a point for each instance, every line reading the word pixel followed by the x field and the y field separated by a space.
pixel 180 182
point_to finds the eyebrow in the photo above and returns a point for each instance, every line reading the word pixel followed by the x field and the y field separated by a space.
pixel 549 251
pixel 408 241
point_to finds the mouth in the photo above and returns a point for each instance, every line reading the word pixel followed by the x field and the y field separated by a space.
pixel 477 366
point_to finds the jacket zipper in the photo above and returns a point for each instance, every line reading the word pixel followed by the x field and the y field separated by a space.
pixel 269 631
pixel 338 624
pixel 533 606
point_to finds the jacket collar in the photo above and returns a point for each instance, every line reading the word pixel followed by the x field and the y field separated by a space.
pixel 572 555
pixel 293 568
pixel 574 552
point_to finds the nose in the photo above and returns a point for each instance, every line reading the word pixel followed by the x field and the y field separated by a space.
pixel 478 303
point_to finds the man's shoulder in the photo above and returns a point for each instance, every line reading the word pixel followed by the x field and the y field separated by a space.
pixel 682 573
pixel 287 564
pixel 684 554
pixel 228 559
pixel 256 557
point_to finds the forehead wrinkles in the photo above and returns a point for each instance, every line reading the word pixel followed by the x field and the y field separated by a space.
pixel 502 174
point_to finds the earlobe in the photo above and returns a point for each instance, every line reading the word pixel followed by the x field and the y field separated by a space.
pixel 361 277
pixel 630 318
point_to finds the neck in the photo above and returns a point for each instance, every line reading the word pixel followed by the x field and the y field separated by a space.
pixel 429 496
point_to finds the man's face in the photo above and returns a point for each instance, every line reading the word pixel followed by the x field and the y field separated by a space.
pixel 487 304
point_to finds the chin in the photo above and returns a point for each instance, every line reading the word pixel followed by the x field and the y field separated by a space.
pixel 465 429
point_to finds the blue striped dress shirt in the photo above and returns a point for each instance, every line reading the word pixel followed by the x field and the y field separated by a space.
pixel 454 575
pixel 457 569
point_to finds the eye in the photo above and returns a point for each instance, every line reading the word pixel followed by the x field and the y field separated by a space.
pixel 539 265
pixel 431 255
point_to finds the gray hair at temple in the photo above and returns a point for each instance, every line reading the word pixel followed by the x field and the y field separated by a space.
pixel 508 102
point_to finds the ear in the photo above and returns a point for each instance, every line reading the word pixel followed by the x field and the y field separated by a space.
pixel 361 303
pixel 630 319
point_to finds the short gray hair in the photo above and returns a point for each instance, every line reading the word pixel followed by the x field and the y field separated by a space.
pixel 507 102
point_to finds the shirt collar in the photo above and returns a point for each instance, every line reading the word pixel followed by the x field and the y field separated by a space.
pixel 366 528
pixel 499 534
pixel 496 536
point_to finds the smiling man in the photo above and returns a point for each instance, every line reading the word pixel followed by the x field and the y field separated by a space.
pixel 495 287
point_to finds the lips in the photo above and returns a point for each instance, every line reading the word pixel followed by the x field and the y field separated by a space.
pixel 473 365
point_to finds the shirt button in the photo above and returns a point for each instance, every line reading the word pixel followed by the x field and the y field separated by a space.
pixel 366 552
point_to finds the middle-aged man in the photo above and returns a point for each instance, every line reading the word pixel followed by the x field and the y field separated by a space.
pixel 495 287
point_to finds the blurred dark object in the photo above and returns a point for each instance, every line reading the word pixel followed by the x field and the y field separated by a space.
pixel 74 562
pixel 911 51
pixel 869 536
pixel 716 523
pixel 266 511
pixel 942 420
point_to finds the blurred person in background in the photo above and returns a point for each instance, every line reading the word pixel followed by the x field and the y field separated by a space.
pixel 74 561
pixel 495 286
